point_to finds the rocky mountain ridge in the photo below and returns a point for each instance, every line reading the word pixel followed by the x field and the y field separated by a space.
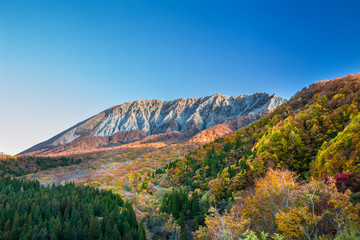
pixel 141 119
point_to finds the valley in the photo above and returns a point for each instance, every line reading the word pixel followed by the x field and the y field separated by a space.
pixel 128 160
pixel 182 183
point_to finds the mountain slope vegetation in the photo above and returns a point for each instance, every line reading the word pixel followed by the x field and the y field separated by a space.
pixel 20 165
pixel 341 154
pixel 309 126
pixel 314 134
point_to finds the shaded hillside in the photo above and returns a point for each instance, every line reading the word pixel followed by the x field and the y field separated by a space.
pixel 322 117
pixel 20 165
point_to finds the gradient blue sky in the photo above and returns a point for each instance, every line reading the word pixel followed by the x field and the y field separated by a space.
pixel 64 61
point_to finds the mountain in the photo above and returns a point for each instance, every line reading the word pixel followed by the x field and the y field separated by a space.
pixel 155 120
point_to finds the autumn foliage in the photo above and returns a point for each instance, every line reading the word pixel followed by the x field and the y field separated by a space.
pixel 280 204
pixel 315 133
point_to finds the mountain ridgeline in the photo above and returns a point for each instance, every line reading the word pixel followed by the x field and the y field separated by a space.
pixel 134 121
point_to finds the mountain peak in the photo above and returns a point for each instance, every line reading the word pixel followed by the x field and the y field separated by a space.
pixel 218 95
pixel 159 117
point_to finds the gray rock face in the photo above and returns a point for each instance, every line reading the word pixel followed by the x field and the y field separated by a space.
pixel 156 116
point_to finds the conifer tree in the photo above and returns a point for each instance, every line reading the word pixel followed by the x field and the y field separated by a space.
pixel 94 228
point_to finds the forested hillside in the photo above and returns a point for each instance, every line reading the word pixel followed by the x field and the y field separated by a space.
pixel 20 165
pixel 309 127
pixel 316 133
pixel 31 211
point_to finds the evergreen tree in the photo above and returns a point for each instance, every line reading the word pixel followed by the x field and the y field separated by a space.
pixel 141 232
pixel 67 233
pixel 94 228
pixel 182 225
pixel 115 233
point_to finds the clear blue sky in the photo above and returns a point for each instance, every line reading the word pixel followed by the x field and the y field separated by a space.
pixel 63 61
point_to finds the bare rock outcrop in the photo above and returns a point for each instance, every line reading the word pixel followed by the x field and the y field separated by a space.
pixel 150 121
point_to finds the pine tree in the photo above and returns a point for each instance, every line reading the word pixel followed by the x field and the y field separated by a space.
pixel 182 225
pixel 67 233
pixel 94 228
pixel 194 206
pixel 141 232
pixel 56 230
pixel 115 233
pixel 7 227
pixel 108 230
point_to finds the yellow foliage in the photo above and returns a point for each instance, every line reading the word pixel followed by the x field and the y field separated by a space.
pixel 297 222
pixel 227 226
pixel 281 204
